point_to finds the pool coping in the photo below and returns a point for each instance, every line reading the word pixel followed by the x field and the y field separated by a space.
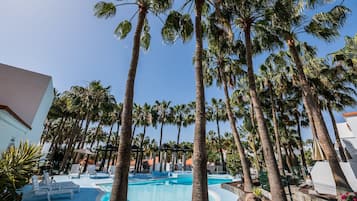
pixel 215 190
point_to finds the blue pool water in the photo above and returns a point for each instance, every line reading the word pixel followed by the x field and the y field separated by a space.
pixel 170 189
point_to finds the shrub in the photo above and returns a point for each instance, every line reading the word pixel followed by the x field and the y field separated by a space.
pixel 257 192
pixel 16 168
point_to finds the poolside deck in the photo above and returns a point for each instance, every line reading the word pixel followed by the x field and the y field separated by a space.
pixel 90 191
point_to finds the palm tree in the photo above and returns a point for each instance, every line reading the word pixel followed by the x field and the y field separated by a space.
pixel 220 66
pixel 141 37
pixel 180 114
pixel 163 116
pixel 218 110
pixel 145 119
pixel 181 25
pixel 286 19
pixel 335 92
pixel 250 17
pixel 137 111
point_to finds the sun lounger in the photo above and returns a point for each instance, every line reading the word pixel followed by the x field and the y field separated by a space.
pixel 47 182
pixel 75 171
pixel 91 170
pixel 37 191
pixel 93 174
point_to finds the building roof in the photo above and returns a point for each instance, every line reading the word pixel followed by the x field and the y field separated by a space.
pixel 349 114
pixel 21 92
pixel 13 114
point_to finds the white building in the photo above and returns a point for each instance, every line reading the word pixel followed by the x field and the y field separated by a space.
pixel 25 99
pixel 321 173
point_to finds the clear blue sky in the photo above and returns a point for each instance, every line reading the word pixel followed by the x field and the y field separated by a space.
pixel 63 39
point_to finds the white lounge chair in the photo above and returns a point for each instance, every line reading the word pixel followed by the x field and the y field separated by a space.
pixel 91 170
pixel 75 171
pixel 93 174
pixel 47 182
pixel 37 191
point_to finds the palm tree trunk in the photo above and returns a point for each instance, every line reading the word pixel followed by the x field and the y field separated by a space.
pixel 300 144
pixel 120 183
pixel 337 135
pixel 105 152
pixel 69 146
pixel 248 183
pixel 276 132
pixel 315 115
pixel 276 187
pixel 117 136
pixel 134 128
pixel 81 144
pixel 160 144
pixel 174 162
pixel 178 134
pixel 199 186
pixel 141 150
pixel 220 143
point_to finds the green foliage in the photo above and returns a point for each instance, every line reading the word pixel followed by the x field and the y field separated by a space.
pixel 325 25
pixel 308 157
pixel 160 6
pixel 104 10
pixel 347 54
pixel 257 192
pixel 177 25
pixel 233 163
pixel 123 29
pixel 145 37
pixel 16 167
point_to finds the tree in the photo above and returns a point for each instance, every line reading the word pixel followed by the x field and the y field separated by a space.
pixel 163 116
pixel 250 17
pixel 145 119
pixel 219 114
pixel 221 68
pixel 141 38
pixel 287 18
pixel 181 25
pixel 17 165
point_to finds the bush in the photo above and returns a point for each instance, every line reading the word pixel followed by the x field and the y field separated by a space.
pixel 233 164
pixel 16 168
pixel 349 196
pixel 257 192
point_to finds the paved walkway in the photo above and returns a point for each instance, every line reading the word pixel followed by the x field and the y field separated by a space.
pixel 221 194
pixel 91 192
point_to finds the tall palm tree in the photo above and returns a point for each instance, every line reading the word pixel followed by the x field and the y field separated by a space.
pixel 287 18
pixel 181 118
pixel 141 37
pixel 145 119
pixel 181 25
pixel 220 67
pixel 219 114
pixel 250 17
pixel 335 92
pixel 163 116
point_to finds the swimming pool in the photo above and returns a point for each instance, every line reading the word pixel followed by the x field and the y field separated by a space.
pixel 169 189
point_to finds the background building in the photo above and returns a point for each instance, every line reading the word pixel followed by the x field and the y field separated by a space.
pixel 25 99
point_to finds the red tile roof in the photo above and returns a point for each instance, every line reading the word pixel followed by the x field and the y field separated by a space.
pixel 350 114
